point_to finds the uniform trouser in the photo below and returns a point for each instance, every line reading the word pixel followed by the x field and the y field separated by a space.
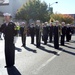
pixel 62 39
pixel 67 37
pixel 0 35
pixel 45 39
pixel 70 37
pixel 32 39
pixel 9 53
pixel 56 43
pixel 45 42
pixel 37 41
pixel 50 38
pixel 23 39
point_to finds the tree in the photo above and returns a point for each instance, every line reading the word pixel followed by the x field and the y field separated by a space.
pixel 67 19
pixel 63 18
pixel 33 10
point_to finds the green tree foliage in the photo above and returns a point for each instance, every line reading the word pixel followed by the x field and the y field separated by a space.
pixel 63 18
pixel 68 19
pixel 33 9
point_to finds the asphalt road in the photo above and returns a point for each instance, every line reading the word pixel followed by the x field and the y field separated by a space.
pixel 40 61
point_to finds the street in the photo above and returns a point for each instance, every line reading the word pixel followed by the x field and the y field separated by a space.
pixel 40 61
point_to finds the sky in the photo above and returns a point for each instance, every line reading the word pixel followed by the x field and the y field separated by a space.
pixel 63 6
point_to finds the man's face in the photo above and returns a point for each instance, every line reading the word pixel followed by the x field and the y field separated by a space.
pixel 50 24
pixel 7 18
pixel 57 23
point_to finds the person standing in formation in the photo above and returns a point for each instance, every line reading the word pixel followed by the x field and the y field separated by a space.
pixel 38 33
pixel 45 33
pixel 63 33
pixel 56 35
pixel 68 33
pixel 23 31
pixel 32 32
pixel 8 29
pixel 50 32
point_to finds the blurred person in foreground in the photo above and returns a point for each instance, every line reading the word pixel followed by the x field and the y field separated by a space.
pixel 8 29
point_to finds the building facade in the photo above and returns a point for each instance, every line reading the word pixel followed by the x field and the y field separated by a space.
pixel 11 6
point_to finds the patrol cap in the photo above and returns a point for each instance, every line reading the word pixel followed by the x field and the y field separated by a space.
pixel 32 23
pixel 37 20
pixel 56 21
pixel 7 14
pixel 46 22
pixel 63 22
pixel 68 24
pixel 22 22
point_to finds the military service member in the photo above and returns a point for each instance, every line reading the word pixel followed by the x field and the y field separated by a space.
pixel 63 33
pixel 8 28
pixel 56 35
pixel 32 32
pixel 38 33
pixel 23 31
pixel 45 33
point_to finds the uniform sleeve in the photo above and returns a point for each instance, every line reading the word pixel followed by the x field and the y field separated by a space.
pixel 2 28
pixel 15 30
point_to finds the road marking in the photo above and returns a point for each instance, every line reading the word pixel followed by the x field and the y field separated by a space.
pixel 44 64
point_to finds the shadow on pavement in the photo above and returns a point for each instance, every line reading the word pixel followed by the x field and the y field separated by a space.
pixel 18 49
pixel 72 41
pixel 50 45
pixel 69 52
pixel 63 50
pixel 13 71
pixel 48 51
pixel 69 47
pixel 29 49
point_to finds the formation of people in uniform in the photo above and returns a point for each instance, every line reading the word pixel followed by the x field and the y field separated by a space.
pixel 48 32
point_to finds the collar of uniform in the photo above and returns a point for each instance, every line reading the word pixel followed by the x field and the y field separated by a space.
pixel 44 26
pixel 8 23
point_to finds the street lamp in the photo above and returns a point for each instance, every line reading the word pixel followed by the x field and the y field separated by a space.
pixel 51 5
pixel 51 9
